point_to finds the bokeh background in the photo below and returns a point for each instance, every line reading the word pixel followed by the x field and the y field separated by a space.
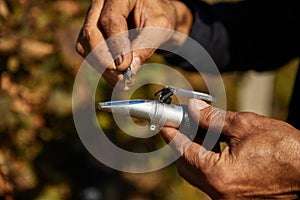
pixel 41 156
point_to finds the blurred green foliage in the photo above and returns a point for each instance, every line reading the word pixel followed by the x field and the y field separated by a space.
pixel 41 156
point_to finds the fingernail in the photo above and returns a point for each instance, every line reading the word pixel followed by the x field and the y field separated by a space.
pixel 112 66
pixel 198 104
pixel 119 60
pixel 136 64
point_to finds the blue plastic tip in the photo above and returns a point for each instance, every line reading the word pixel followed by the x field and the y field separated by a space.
pixel 126 102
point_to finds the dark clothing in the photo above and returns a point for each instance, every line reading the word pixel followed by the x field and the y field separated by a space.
pixel 259 35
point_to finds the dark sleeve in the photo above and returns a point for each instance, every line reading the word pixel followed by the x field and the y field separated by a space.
pixel 259 35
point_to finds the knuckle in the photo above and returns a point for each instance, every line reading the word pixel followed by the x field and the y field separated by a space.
pixel 244 119
pixel 164 21
pixel 87 39
pixel 105 21
pixel 87 32
pixel 79 48
pixel 184 147
pixel 214 116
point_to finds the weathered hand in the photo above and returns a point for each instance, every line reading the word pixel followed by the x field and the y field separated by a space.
pixel 262 159
pixel 111 19
pixel 91 36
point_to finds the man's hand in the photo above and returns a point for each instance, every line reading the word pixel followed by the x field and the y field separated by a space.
pixel 262 159
pixel 111 19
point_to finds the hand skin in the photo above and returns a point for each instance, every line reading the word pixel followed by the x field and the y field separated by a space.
pixel 108 18
pixel 262 159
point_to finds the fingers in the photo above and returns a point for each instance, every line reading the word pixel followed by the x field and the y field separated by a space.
pixel 191 152
pixel 191 174
pixel 91 42
pixel 112 19
pixel 231 124
pixel 156 25
pixel 135 64
pixel 196 163
pixel 90 36
pixel 148 40
pixel 93 46
pixel 88 39
pixel 200 167
pixel 113 22
pixel 107 22
pixel 94 13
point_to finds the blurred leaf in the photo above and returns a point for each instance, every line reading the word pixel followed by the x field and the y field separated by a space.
pixel 33 49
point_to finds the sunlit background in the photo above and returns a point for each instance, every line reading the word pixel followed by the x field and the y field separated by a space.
pixel 41 156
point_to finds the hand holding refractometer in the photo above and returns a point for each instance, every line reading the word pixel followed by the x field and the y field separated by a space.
pixel 159 112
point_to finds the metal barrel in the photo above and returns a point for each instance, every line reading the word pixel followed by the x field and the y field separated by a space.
pixel 157 113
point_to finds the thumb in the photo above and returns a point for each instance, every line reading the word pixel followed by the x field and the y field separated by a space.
pixel 215 119
pixel 194 154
